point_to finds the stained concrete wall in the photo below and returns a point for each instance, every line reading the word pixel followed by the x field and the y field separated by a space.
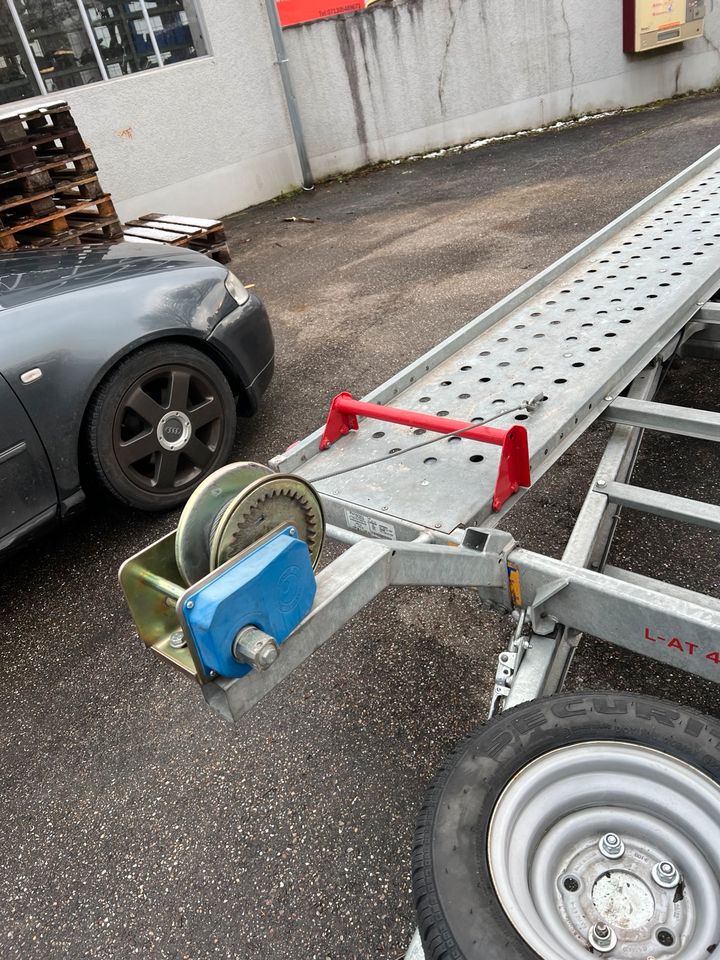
pixel 407 76
pixel 211 136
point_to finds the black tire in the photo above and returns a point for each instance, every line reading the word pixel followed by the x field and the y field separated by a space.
pixel 129 429
pixel 459 914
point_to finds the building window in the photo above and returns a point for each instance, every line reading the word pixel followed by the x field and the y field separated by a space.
pixel 49 45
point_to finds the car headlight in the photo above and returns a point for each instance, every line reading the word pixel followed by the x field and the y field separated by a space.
pixel 235 288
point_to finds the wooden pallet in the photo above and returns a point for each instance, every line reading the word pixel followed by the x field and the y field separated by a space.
pixel 47 177
pixel 206 236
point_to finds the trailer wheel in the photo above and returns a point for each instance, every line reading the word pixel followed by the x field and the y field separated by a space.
pixel 580 823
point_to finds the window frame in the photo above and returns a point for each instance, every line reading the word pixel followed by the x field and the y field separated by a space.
pixel 195 15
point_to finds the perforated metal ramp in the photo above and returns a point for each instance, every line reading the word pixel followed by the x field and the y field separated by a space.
pixel 577 334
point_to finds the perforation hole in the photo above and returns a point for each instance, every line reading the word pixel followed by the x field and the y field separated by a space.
pixel 446 383
pixel 594 349
pixel 463 396
pixel 476 458
pixel 484 380
pixel 560 380
pixel 378 434
pixel 418 431
pixel 579 364
pixel 430 460
pixel 394 450
pixel 521 416
pixel 442 413
pixel 519 383
pixel 454 439
pixel 534 369
pixel 466 367
pixel 424 400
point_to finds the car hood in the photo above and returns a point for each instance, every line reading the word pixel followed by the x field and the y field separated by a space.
pixel 30 275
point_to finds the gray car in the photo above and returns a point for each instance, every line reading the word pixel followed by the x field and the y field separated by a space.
pixel 122 369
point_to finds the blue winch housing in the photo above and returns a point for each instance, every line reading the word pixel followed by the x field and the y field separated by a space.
pixel 272 587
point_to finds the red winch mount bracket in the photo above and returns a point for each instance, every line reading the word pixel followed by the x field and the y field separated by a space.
pixel 514 469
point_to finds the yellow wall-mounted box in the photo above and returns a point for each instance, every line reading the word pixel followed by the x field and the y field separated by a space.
pixel 649 24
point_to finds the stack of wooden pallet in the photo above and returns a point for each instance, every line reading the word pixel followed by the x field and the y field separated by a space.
pixel 49 190
pixel 207 236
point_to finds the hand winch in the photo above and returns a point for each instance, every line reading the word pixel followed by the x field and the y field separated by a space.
pixel 219 595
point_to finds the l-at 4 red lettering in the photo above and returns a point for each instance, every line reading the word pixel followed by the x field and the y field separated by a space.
pixel 684 646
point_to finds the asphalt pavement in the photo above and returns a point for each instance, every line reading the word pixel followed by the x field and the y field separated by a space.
pixel 136 822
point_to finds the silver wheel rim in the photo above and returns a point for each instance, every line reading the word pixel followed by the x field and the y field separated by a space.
pixel 554 881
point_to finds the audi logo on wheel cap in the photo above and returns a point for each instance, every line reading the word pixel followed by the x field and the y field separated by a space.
pixel 174 430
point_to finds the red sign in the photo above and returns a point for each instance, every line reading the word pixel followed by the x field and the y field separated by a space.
pixel 302 11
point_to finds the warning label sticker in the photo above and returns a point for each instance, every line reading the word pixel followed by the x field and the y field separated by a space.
pixel 369 525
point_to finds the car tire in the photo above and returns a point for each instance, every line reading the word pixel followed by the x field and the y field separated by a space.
pixel 478 860
pixel 159 423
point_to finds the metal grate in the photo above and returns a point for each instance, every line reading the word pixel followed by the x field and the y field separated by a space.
pixel 577 339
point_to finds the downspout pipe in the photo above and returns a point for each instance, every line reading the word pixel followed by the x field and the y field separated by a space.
pixel 308 181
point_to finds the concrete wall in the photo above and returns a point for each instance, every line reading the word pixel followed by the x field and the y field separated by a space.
pixel 407 76
pixel 211 136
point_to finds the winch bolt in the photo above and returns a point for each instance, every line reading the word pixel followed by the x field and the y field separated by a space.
pixel 666 874
pixel 611 846
pixel 602 937
pixel 177 640
pixel 253 646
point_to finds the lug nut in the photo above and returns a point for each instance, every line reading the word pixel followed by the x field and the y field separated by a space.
pixel 602 937
pixel 666 874
pixel 611 846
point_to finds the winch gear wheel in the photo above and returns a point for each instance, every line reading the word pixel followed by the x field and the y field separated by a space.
pixel 200 515
pixel 264 506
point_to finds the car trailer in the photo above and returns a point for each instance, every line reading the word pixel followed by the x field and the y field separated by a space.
pixel 569 823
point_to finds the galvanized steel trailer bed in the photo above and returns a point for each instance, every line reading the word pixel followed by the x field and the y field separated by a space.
pixel 587 338
pixel 600 319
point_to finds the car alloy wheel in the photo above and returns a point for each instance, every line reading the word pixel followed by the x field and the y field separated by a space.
pixel 161 421
pixel 168 426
